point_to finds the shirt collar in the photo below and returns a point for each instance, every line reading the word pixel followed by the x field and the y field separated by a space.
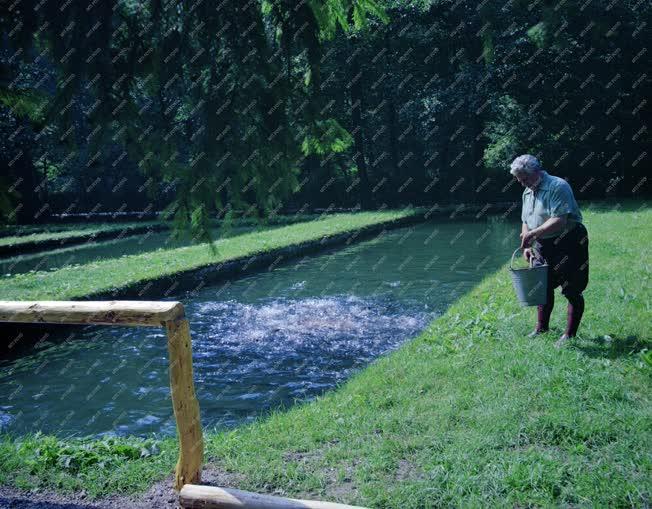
pixel 544 182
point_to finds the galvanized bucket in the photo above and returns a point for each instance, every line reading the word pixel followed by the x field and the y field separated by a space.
pixel 530 283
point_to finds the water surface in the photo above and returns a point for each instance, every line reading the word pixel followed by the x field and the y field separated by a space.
pixel 261 342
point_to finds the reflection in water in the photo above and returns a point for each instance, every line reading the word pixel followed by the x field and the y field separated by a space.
pixel 260 342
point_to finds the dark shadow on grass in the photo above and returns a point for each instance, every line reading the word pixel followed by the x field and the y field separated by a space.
pixel 612 348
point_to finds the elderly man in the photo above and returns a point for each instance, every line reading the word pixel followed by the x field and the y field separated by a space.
pixel 552 225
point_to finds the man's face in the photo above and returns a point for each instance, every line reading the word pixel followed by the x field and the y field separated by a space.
pixel 526 179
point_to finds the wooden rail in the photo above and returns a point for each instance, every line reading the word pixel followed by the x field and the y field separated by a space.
pixel 210 497
pixel 170 315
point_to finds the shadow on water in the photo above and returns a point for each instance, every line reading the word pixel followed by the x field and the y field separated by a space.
pixel 261 342
pixel 613 348
pixel 23 339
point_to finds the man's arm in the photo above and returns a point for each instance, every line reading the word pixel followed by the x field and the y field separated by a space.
pixel 527 252
pixel 552 225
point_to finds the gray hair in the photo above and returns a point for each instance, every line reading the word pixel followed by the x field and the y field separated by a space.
pixel 526 163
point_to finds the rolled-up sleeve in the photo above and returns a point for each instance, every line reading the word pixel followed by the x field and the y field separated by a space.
pixel 561 200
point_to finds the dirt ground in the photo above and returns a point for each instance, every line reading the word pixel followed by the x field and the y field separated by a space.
pixel 159 496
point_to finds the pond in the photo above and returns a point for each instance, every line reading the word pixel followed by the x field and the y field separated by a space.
pixel 261 342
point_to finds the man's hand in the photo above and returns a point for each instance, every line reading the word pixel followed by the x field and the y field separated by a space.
pixel 552 225
pixel 527 237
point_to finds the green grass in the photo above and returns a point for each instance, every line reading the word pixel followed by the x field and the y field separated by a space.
pixel 20 230
pixel 106 275
pixel 40 233
pixel 469 413
pixel 71 232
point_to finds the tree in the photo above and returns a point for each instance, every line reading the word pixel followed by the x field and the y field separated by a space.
pixel 193 92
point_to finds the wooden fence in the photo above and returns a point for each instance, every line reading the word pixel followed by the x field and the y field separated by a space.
pixel 171 316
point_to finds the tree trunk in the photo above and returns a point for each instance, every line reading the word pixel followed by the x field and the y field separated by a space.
pixel 357 107
pixel 392 121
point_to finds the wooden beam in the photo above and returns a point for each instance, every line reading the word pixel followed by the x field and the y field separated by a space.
pixel 121 312
pixel 185 404
pixel 210 497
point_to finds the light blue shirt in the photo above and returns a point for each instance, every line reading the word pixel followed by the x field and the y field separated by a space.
pixel 553 197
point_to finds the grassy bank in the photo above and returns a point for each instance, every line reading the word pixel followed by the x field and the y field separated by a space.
pixel 35 234
pixel 78 231
pixel 469 413
pixel 79 254
pixel 105 275
pixel 21 230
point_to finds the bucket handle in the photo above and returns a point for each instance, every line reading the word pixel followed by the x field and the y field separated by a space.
pixel 534 250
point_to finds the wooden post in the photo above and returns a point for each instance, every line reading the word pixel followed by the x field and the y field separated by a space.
pixel 185 404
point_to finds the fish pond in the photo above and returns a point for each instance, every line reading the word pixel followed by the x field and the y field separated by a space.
pixel 261 342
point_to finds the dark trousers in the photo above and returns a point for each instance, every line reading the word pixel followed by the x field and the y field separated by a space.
pixel 568 266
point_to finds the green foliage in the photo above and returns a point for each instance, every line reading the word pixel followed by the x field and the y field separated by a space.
pixel 190 82
pixel 327 136
pixel 200 225
pixel 353 171
pixel 538 34
pixel 331 14
pixel 6 202
pixel 504 143
pixel 369 8
pixel 24 103
pixel 500 152
pixel 76 455
pixel 91 465
pixel 488 49
pixel 193 96
pixel 266 7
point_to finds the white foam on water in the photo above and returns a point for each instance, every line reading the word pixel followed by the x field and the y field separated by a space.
pixel 276 350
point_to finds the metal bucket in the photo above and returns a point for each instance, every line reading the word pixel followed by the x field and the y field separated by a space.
pixel 530 284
